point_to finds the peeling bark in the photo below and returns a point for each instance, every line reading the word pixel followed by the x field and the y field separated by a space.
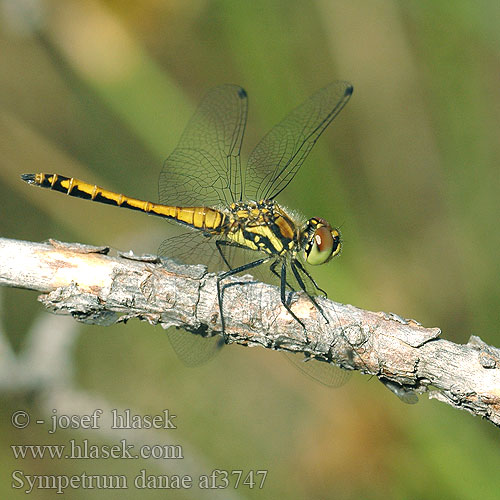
pixel 93 287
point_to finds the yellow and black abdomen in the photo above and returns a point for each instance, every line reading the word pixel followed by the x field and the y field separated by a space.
pixel 204 218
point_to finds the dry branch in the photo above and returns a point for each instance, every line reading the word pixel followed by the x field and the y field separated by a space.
pixel 85 282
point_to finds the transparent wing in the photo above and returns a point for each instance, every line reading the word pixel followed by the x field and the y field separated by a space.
pixel 407 396
pixel 193 247
pixel 238 257
pixel 325 373
pixel 194 350
pixel 278 156
pixel 204 169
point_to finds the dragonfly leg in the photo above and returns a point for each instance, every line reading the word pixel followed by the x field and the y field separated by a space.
pixel 272 267
pixel 220 244
pixel 283 295
pixel 294 265
pixel 220 290
pixel 299 279
pixel 304 270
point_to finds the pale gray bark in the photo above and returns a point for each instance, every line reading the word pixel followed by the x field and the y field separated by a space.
pixel 93 287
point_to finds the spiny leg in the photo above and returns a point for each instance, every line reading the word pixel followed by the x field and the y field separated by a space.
pixel 302 285
pixel 272 267
pixel 283 295
pixel 223 243
pixel 304 270
pixel 220 290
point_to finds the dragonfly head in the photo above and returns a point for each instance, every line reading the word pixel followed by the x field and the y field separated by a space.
pixel 321 241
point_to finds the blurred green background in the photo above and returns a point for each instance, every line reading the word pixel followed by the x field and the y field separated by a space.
pixel 101 90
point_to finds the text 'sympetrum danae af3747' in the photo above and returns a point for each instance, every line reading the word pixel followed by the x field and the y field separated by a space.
pixel 238 224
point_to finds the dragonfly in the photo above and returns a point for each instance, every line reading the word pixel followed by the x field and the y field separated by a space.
pixel 234 223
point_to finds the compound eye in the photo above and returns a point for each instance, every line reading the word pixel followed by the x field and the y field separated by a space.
pixel 325 244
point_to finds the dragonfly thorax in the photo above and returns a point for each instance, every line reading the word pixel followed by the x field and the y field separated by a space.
pixel 263 226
